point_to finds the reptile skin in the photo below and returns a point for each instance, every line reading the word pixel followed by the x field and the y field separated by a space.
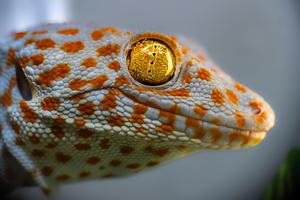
pixel 71 111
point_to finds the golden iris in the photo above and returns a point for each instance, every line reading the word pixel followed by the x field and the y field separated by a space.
pixel 151 62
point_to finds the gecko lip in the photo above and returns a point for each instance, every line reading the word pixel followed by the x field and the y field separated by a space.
pixel 265 128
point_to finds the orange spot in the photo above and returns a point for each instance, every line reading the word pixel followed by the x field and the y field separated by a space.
pixel 168 126
pixel 19 35
pixel 24 61
pixel 157 151
pixel 126 150
pixel 115 163
pixel 121 80
pixel 47 171
pixel 108 50
pixel 6 99
pixel 57 131
pixel 152 163
pixel 89 62
pixel 133 166
pixel 28 113
pixel 98 81
pixel 38 153
pixel 240 87
pixel 98 34
pixel 104 143
pixel 79 122
pixel 57 72
pixel 37 59
pixel 77 84
pixel 115 65
pixel 87 108
pixel 61 157
pixel 62 177
pixel 187 78
pixel 82 146
pixel 72 47
pixel 39 32
pixel 93 160
pixel 84 133
pixel 204 74
pixel 29 41
pixel 140 109
pixel 109 101
pixel 233 137
pixel 44 44
pixel 232 96
pixel 138 114
pixel 240 120
pixel 190 63
pixel 184 50
pixel 198 131
pixel 200 110
pixel 115 120
pixel 34 139
pixel 10 57
pixel 19 141
pixel 59 120
pixel 215 135
pixel 78 97
pixel 84 174
pixel 50 145
pixel 69 31
pixel 50 103
pixel 217 97
pixel 15 127
pixel 245 138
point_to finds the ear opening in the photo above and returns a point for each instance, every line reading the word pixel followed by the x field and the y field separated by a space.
pixel 23 84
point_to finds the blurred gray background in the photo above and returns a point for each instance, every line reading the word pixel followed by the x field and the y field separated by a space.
pixel 257 42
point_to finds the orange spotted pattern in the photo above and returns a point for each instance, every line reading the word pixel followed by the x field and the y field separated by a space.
pixel 68 31
pixel 44 44
pixel 217 97
pixel 58 72
pixel 28 113
pixel 72 47
pixel 100 123
pixel 98 34
pixel 89 62
pixel 108 50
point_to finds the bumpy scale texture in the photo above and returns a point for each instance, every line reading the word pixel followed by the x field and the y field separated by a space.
pixel 89 119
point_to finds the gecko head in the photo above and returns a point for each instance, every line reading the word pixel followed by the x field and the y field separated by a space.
pixel 149 86
pixel 89 96
pixel 180 95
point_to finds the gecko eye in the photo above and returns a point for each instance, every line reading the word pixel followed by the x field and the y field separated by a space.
pixel 151 62
pixel 23 84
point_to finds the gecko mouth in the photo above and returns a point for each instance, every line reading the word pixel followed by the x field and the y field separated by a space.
pixel 208 133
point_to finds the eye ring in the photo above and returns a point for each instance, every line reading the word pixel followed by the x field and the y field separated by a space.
pixel 153 59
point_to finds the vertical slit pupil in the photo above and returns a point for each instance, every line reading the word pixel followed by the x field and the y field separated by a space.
pixel 23 84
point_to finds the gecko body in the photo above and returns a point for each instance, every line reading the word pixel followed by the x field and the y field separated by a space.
pixel 73 109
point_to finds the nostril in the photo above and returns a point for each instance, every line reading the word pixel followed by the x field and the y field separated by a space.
pixel 256 107
pixel 23 83
pixel 256 111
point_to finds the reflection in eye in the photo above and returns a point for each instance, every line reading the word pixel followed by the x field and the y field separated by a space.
pixel 151 62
